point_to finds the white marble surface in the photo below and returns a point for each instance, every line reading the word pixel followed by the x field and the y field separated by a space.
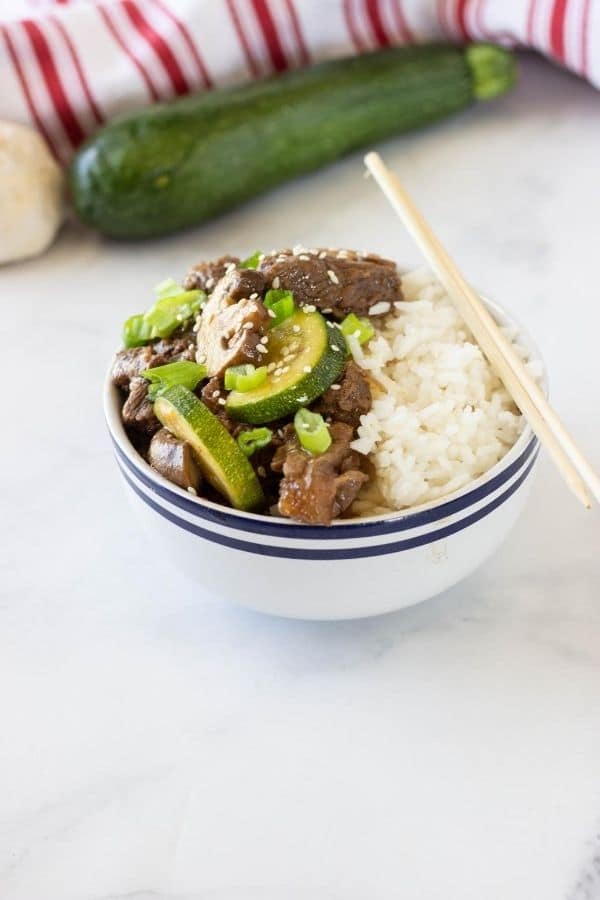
pixel 158 745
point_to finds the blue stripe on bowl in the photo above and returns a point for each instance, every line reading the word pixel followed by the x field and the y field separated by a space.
pixel 339 553
pixel 402 522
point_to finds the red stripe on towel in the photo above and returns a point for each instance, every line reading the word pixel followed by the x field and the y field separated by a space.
pixel 557 28
pixel 22 79
pixel 53 82
pixel 296 28
pixel 401 23
pixel 79 69
pixel 352 27
pixel 189 41
pixel 160 46
pixel 152 90
pixel 243 39
pixel 270 33
pixel 374 16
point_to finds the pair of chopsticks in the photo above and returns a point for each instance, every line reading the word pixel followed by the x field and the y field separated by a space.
pixel 570 461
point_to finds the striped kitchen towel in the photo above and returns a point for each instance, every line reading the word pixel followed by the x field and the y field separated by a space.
pixel 67 66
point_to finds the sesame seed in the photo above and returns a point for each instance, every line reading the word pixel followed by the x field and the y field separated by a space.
pixel 335 387
pixel 296 329
pixel 342 254
pixel 191 346
pixel 247 326
pixel 285 369
pixel 272 314
pixel 254 296
pixel 278 372
pixel 307 369
pixel 276 282
pixel 335 349
pixel 322 254
pixel 303 398
pixel 201 358
pixel 261 471
pixel 261 348
pixel 304 256
pixel 216 394
pixel 192 490
pixel 379 309
pixel 332 276
pixel 271 367
pixel 309 308
pixel 328 310
pixel 221 401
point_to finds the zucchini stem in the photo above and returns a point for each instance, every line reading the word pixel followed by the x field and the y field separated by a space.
pixel 493 70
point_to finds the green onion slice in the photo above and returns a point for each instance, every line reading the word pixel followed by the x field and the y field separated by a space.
pixel 360 328
pixel 136 331
pixel 312 431
pixel 170 312
pixel 251 262
pixel 249 441
pixel 244 378
pixel 281 304
pixel 184 372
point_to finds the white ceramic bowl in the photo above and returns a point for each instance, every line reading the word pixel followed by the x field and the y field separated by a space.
pixel 350 569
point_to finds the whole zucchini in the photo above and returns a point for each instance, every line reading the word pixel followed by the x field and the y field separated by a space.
pixel 174 165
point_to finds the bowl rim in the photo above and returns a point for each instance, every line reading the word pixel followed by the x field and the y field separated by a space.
pixel 525 441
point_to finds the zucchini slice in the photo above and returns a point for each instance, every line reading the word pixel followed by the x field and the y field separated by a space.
pixel 306 354
pixel 222 462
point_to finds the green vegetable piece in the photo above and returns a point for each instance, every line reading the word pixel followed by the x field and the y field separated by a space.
pixel 244 378
pixel 167 288
pixel 170 312
pixel 219 456
pixel 252 261
pixel 184 372
pixel 312 431
pixel 250 441
pixel 136 331
pixel 361 328
pixel 281 304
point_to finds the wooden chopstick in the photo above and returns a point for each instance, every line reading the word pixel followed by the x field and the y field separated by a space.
pixel 572 464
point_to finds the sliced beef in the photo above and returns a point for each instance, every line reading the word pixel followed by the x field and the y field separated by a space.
pixel 129 363
pixel 233 322
pixel 340 281
pixel 349 400
pixel 318 489
pixel 174 459
pixel 137 412
pixel 132 361
pixel 204 275
pixel 211 393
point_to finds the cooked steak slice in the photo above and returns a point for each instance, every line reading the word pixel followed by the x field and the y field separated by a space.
pixel 138 412
pixel 233 322
pixel 211 393
pixel 129 363
pixel 174 459
pixel 204 275
pixel 132 361
pixel 340 281
pixel 349 400
pixel 318 489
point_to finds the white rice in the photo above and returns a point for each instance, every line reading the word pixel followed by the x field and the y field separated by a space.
pixel 440 416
